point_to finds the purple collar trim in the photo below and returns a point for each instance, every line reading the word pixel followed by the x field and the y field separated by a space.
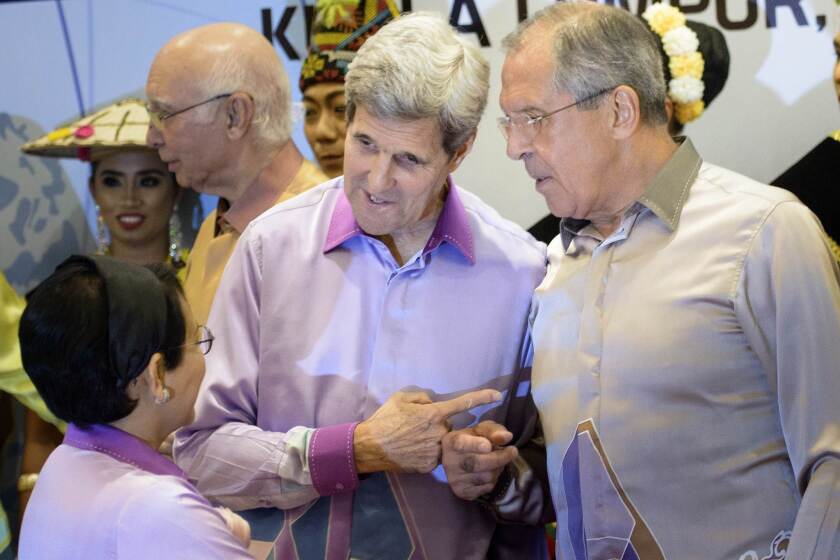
pixel 122 446
pixel 452 226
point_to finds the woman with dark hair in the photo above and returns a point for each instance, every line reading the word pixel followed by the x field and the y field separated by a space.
pixel 113 349
pixel 142 216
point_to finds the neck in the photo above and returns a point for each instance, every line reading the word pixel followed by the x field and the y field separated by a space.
pixel 154 251
pixel 273 168
pixel 141 429
pixel 643 157
pixel 406 242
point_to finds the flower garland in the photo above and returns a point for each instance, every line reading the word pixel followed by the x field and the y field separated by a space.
pixel 684 60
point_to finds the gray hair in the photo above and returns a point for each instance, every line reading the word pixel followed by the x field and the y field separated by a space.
pixel 264 78
pixel 600 47
pixel 417 67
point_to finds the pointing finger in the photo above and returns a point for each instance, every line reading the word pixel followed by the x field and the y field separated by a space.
pixel 467 401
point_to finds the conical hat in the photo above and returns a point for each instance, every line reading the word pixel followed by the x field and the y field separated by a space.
pixel 120 126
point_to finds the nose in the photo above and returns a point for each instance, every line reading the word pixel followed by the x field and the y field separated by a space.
pixel 325 130
pixel 380 176
pixel 518 146
pixel 130 198
pixel 154 137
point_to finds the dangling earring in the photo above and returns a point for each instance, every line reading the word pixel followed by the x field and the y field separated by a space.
pixel 101 233
pixel 175 239
pixel 164 398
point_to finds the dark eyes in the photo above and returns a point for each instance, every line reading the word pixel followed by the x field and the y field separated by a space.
pixel 407 159
pixel 146 181
pixel 150 181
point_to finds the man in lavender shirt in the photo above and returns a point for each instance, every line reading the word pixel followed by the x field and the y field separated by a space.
pixel 356 323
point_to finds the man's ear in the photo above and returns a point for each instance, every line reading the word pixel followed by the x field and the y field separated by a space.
pixel 462 152
pixel 625 112
pixel 669 108
pixel 239 113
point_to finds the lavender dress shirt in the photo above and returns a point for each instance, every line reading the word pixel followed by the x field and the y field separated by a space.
pixel 316 325
pixel 105 494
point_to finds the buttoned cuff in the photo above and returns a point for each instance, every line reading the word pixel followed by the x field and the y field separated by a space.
pixel 332 462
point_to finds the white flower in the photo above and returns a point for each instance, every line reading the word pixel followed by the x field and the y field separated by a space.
pixel 655 9
pixel 685 89
pixel 680 41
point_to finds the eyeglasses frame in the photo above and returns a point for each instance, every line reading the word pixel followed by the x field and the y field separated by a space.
pixel 157 118
pixel 534 123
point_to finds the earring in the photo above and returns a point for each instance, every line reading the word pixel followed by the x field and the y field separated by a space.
pixel 101 233
pixel 164 398
pixel 175 238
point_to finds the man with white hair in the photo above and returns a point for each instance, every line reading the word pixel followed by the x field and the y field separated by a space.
pixel 220 109
pixel 686 334
pixel 360 320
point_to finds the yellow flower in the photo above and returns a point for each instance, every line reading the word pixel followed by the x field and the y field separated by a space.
pixel 58 134
pixel 690 64
pixel 687 112
pixel 336 10
pixel 311 66
pixel 666 19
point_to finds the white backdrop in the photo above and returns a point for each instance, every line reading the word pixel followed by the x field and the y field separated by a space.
pixel 777 104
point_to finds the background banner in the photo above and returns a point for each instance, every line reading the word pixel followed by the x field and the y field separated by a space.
pixel 64 57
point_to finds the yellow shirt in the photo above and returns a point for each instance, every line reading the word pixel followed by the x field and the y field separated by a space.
pixel 13 379
pixel 215 242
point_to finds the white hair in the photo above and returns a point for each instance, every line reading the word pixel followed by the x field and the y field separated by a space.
pixel 418 67
pixel 599 47
pixel 264 78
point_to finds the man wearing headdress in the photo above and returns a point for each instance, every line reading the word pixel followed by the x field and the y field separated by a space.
pixel 220 109
pixel 339 28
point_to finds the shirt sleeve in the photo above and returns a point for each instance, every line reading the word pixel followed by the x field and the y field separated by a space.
pixel 788 302
pixel 229 458
pixel 522 494
pixel 173 522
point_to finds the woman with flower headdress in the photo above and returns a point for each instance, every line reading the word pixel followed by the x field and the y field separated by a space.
pixel 339 28
pixel 695 62
pixel 136 203
pixel 814 178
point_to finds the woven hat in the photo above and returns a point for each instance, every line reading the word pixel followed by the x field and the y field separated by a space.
pixel 117 127
pixel 339 29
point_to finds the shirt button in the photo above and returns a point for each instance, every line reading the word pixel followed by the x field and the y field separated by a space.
pixel 339 486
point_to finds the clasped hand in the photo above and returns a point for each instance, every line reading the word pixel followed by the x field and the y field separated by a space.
pixel 405 433
pixel 474 458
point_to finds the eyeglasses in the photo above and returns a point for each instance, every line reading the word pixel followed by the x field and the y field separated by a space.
pixel 204 342
pixel 531 125
pixel 157 117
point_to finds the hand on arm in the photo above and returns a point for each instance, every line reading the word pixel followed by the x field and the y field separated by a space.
pixel 474 458
pixel 405 433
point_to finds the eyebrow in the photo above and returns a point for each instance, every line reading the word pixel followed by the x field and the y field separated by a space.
pixel 142 171
pixel 329 97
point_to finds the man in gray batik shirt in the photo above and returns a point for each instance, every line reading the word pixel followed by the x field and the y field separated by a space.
pixel 687 334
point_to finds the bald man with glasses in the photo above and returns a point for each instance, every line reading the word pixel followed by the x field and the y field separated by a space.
pixel 220 108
